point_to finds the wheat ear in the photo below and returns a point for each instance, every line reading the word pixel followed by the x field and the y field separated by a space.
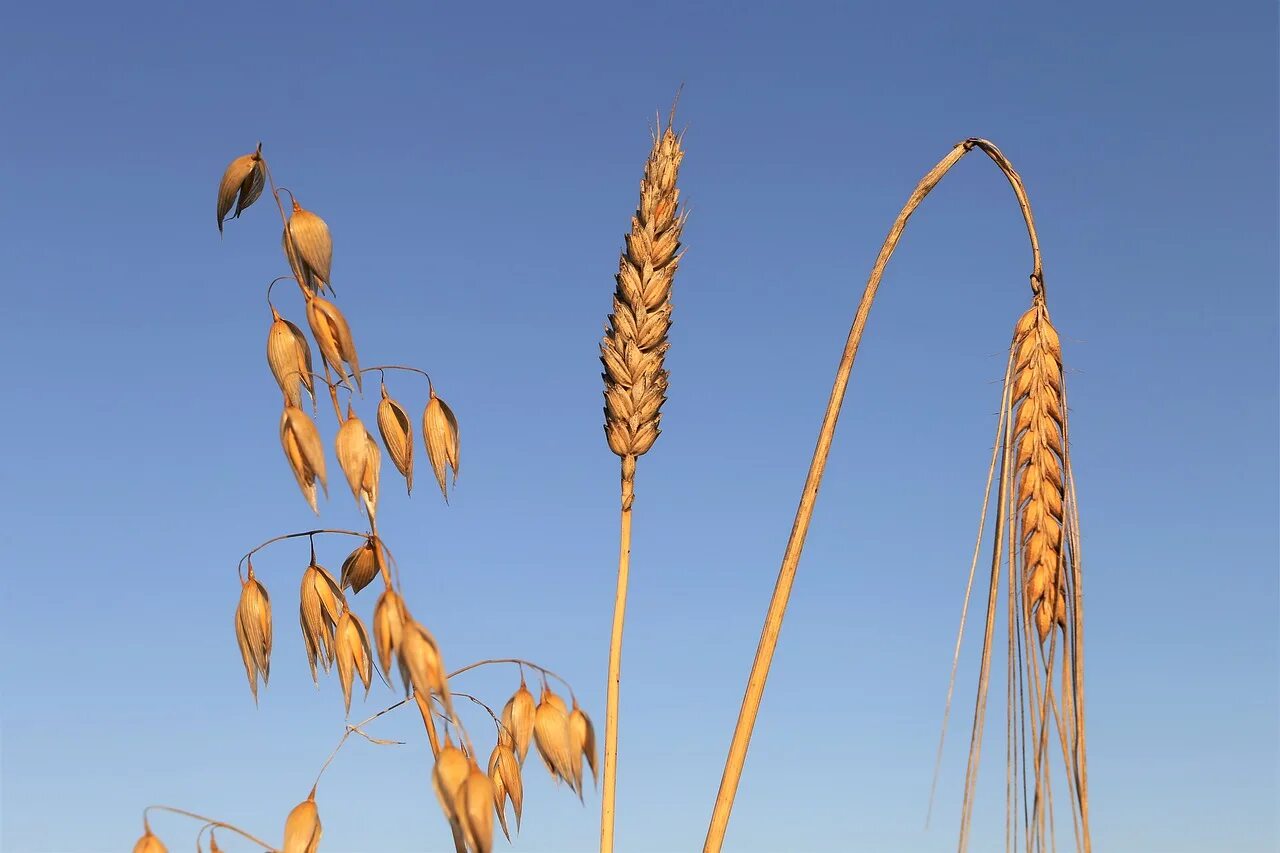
pixel 809 495
pixel 635 381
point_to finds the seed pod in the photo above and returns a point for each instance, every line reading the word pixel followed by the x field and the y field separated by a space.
pixel 582 742
pixel 518 717
pixel 504 774
pixel 364 564
pixel 289 357
pixel 333 337
pixel 474 806
pixel 312 245
pixel 148 843
pixel 302 448
pixel 361 461
pixel 397 436
pixel 352 654
pixel 300 272
pixel 551 734
pixel 388 625
pixel 241 184
pixel 440 434
pixel 253 630
pixel 420 659
pixel 322 603
pixel 302 828
pixel 447 777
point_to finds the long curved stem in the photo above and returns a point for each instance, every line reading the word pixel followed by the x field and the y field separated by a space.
pixel 609 792
pixel 808 497
pixel 208 822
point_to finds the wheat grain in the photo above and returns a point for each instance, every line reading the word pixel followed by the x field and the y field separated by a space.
pixel 635 340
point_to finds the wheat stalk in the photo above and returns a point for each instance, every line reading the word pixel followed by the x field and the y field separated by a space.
pixel 635 342
pixel 804 512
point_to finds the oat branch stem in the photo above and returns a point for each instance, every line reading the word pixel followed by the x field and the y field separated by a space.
pixel 808 498
pixel 285 536
pixel 208 822
pixel 355 728
pixel 517 662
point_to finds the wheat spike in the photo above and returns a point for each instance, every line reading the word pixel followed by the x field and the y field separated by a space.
pixel 1039 416
pixel 635 340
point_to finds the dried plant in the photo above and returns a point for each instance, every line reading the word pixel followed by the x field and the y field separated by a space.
pixel 334 635
pixel 635 381
pixel 1050 592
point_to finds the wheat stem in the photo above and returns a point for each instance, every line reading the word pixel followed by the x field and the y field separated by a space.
pixel 615 669
pixel 813 481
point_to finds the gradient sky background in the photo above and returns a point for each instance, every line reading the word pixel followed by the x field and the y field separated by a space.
pixel 477 165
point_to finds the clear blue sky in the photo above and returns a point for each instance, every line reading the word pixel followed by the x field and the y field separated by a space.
pixel 477 164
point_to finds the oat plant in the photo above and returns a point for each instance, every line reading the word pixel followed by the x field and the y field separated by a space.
pixel 635 342
pixel 1036 543
pixel 336 638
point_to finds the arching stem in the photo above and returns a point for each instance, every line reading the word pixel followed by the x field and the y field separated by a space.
pixel 813 481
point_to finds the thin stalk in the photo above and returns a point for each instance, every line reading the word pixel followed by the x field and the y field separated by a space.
pixel 615 663
pixel 208 822
pixel 813 481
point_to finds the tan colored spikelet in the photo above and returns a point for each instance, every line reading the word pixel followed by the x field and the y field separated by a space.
pixel 321 603
pixel 474 806
pixel 302 829
pixel 582 743
pixel 364 564
pixel 440 435
pixel 1039 417
pixel 388 627
pixel 253 630
pixel 305 454
pixel 148 843
pixel 301 274
pixel 421 661
pixel 518 717
pixel 213 843
pixel 551 734
pixel 352 654
pixel 241 184
pixel 312 244
pixel 289 357
pixel 504 774
pixel 447 777
pixel 333 336
pixel 361 461
pixel 635 340
pixel 397 435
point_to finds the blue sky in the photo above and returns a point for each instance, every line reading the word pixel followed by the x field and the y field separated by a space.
pixel 477 165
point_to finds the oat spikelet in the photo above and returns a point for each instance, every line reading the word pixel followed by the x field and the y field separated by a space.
pixel 241 184
pixel 352 654
pixel 474 805
pixel 582 744
pixel 551 734
pixel 447 777
pixel 364 564
pixel 148 843
pixel 440 435
pixel 320 605
pixel 361 461
pixel 333 336
pixel 302 448
pixel 518 717
pixel 397 435
pixel 307 236
pixel 253 631
pixel 302 828
pixel 1039 416
pixel 388 627
pixel 636 337
pixel 504 773
pixel 289 357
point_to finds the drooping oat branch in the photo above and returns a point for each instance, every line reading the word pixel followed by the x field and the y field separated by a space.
pixel 634 344
pixel 518 662
pixel 208 821
pixel 804 511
